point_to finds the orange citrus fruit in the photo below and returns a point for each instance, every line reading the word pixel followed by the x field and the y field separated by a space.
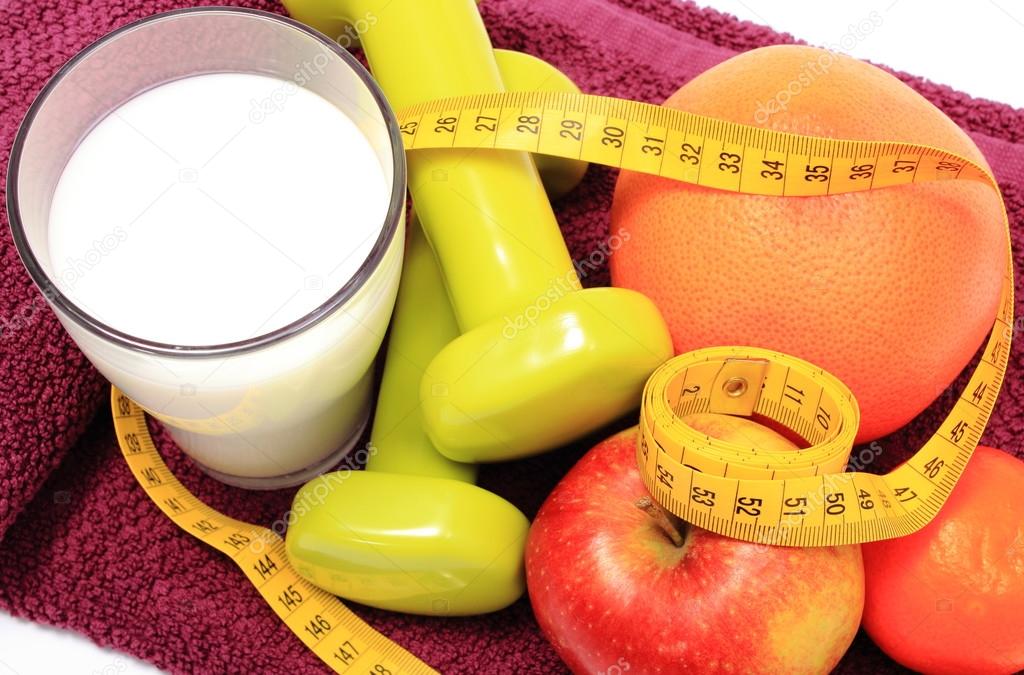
pixel 891 290
pixel 948 598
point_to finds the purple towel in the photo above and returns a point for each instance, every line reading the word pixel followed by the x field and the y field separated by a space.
pixel 80 544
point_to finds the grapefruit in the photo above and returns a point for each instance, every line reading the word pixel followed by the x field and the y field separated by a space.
pixel 891 290
pixel 948 598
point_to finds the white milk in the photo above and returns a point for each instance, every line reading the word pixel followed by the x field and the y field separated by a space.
pixel 196 214
pixel 226 228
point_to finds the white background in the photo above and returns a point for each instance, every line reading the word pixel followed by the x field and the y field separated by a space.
pixel 974 47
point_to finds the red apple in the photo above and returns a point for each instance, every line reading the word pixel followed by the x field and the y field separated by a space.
pixel 612 592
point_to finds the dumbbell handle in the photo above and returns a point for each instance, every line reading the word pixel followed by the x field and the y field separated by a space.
pixel 422 325
pixel 484 212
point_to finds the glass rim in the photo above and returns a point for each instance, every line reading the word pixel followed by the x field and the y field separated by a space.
pixel 108 333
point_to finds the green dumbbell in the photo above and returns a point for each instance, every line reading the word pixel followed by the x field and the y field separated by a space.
pixel 423 322
pixel 495 393
pixel 333 538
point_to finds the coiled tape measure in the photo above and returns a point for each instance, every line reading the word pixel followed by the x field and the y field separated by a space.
pixel 795 498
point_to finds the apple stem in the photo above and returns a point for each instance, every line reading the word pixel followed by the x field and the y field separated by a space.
pixel 668 523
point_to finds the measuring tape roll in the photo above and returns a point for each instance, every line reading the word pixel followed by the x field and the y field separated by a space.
pixel 799 498
pixel 744 490
pixel 796 499
pixel 793 498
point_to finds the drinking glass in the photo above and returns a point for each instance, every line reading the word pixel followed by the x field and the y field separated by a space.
pixel 278 408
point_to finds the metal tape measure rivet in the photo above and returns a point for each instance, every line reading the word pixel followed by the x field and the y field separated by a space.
pixel 735 386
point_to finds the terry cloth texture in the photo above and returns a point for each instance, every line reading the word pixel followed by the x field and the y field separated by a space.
pixel 80 544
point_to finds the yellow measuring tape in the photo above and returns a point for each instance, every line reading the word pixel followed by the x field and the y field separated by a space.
pixel 799 498
pixel 341 639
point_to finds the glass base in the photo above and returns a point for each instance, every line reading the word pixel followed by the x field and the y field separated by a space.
pixel 297 477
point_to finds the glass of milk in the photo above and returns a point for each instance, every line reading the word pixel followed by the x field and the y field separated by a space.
pixel 212 201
